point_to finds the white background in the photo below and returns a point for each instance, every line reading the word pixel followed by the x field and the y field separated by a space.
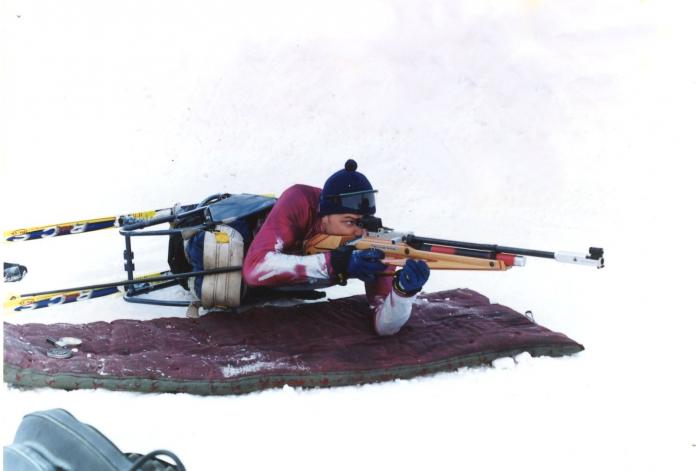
pixel 549 125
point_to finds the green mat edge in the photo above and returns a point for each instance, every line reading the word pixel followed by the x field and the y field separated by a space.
pixel 27 378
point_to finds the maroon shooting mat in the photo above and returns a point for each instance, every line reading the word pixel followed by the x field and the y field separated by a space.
pixel 320 344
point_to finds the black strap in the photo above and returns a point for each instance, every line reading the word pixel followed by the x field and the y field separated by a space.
pixel 339 262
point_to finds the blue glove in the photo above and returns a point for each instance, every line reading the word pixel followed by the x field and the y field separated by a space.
pixel 411 279
pixel 363 264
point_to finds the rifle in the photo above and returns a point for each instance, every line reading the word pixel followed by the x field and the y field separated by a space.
pixel 443 254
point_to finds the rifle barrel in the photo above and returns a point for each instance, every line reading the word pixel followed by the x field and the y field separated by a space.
pixel 595 257
pixel 416 240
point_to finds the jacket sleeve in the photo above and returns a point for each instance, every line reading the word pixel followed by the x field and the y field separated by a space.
pixel 268 263
pixel 391 310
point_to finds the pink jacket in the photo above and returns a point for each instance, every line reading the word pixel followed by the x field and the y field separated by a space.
pixel 275 258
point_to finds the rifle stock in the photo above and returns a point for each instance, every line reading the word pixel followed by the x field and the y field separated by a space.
pixel 398 252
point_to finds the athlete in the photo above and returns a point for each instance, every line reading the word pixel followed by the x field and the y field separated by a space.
pixel 275 259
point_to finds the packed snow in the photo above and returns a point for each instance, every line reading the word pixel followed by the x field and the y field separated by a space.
pixel 548 125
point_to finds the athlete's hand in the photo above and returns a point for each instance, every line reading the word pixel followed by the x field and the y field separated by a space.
pixel 366 264
pixel 362 264
pixel 411 279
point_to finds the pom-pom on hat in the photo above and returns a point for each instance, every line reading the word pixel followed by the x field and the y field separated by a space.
pixel 347 191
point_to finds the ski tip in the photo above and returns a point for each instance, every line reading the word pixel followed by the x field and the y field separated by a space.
pixel 12 300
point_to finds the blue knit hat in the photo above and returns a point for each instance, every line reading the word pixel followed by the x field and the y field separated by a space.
pixel 347 191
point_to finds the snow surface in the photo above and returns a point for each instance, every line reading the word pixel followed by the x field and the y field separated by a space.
pixel 550 125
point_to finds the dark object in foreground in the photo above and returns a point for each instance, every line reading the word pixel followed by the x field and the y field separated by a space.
pixel 307 345
pixel 13 271
pixel 56 440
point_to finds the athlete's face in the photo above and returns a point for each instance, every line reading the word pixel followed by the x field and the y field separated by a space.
pixel 343 225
